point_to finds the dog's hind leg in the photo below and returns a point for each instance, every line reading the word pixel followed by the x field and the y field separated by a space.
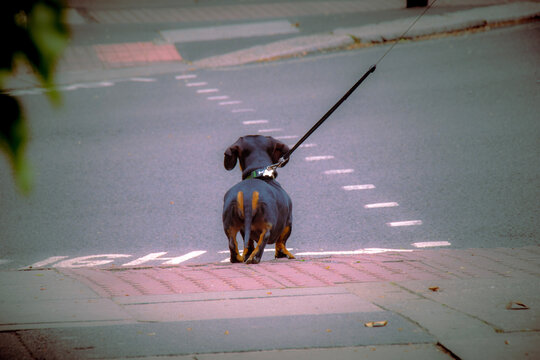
pixel 233 245
pixel 281 249
pixel 256 255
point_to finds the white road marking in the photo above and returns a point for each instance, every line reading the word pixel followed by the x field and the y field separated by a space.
pixel 319 158
pixel 381 205
pixel 90 261
pixel 140 79
pixel 358 187
pixel 234 102
pixel 181 259
pixel 207 91
pixel 354 252
pixel 222 97
pixel 189 76
pixel 307 145
pixel 254 122
pixel 285 137
pixel 86 86
pixel 270 130
pixel 49 261
pixel 234 111
pixel 404 223
pixel 167 260
pixel 431 244
pixel 196 84
pixel 149 257
pixel 338 171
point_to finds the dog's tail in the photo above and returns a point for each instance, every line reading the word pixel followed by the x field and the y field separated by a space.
pixel 248 208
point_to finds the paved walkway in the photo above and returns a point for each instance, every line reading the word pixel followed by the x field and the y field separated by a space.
pixel 425 304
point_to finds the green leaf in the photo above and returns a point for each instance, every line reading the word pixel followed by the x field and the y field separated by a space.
pixel 48 37
pixel 13 141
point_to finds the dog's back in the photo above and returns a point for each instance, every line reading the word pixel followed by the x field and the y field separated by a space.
pixel 253 202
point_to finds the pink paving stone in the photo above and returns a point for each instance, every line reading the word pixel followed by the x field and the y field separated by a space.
pixel 349 273
pixel 250 283
pixel 172 280
pixel 194 274
pixel 215 285
pixel 324 271
pixel 290 276
pixel 104 283
pixel 136 53
pixel 226 272
pixel 144 283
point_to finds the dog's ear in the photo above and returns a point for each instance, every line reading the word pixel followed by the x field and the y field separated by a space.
pixel 231 155
pixel 277 150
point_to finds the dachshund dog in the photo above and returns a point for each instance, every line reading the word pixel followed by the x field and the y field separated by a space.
pixel 257 206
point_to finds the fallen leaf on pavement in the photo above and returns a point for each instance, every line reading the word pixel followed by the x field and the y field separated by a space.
pixel 516 305
pixel 372 324
pixel 434 288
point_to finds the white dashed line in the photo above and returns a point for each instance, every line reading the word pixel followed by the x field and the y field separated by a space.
pixel 307 145
pixel 182 77
pixel 270 130
pixel 358 187
pixel 254 122
pixel 381 205
pixel 235 111
pixel 285 137
pixel 404 223
pixel 319 158
pixel 338 171
pixel 354 252
pixel 431 244
pixel 138 79
pixel 207 91
pixel 86 86
pixel 196 84
pixel 222 97
pixel 234 102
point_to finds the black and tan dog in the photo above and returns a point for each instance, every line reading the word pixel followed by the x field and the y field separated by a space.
pixel 258 206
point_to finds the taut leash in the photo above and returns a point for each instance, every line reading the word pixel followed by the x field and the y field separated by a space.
pixel 269 171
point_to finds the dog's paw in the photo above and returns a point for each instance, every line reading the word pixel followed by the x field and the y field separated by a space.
pixel 237 258
pixel 253 260
pixel 284 253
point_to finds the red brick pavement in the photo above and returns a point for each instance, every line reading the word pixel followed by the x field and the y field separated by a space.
pixel 312 272
pixel 117 55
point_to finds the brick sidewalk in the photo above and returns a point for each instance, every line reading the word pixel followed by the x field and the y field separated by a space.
pixel 313 272
pixel 109 56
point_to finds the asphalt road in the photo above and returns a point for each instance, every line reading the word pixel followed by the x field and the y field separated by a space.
pixel 447 129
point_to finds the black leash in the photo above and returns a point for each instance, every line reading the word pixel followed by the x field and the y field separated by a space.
pixel 269 171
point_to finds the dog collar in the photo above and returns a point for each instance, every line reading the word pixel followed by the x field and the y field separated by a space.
pixel 264 173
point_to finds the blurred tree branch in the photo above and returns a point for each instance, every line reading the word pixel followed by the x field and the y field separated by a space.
pixel 36 35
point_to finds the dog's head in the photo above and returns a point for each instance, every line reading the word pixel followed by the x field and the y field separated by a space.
pixel 254 152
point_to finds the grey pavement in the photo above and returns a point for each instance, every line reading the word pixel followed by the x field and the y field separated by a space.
pixel 253 32
pixel 475 303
